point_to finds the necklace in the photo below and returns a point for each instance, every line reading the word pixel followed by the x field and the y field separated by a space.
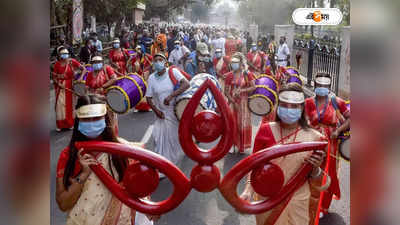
pixel 289 135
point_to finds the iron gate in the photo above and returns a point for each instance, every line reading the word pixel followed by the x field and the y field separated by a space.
pixel 313 57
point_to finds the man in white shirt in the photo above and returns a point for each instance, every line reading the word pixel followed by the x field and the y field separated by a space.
pixel 178 55
pixel 161 93
pixel 97 42
pixel 283 53
pixel 219 43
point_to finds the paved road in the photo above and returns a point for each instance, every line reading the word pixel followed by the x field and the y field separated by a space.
pixel 197 208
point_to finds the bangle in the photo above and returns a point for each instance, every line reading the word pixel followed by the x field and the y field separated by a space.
pixel 318 174
pixel 78 180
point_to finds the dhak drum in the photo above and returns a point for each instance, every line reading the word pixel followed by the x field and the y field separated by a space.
pixel 292 70
pixel 207 102
pixel 79 85
pixel 264 98
pixel 344 141
pixel 131 52
pixel 294 78
pixel 126 93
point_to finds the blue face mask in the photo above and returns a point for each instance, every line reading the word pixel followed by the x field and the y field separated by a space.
pixel 288 115
pixel 64 56
pixel 321 91
pixel 116 45
pixel 254 48
pixel 235 66
pixel 92 129
pixel 218 55
pixel 177 46
pixel 159 66
pixel 97 66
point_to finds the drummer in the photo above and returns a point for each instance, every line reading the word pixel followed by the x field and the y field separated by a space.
pixel 141 63
pixel 161 95
pixel 98 80
pixel 63 75
pixel 119 58
pixel 290 127
pixel 239 83
pixel 102 76
pixel 328 114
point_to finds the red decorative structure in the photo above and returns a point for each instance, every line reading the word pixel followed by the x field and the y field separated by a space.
pixel 141 178
pixel 181 183
pixel 229 183
pixel 207 126
pixel 267 180
pixel 138 172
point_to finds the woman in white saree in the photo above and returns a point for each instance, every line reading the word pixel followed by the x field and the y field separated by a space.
pixel 79 192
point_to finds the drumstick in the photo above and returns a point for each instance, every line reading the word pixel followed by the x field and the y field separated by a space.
pixel 67 89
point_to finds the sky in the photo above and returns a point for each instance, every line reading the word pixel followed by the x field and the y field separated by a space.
pixel 230 2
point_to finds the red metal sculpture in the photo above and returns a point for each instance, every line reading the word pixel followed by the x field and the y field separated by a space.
pixel 154 161
pixel 229 184
pixel 141 178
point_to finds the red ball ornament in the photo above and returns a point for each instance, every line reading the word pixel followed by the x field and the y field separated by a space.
pixel 205 178
pixel 267 180
pixel 140 180
pixel 207 126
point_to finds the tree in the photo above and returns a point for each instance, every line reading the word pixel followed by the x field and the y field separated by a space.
pixel 166 8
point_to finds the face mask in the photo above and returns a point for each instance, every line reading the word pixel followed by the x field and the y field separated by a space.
pixel 97 66
pixel 218 55
pixel 254 48
pixel 321 91
pixel 289 116
pixel 203 58
pixel 159 66
pixel 235 66
pixel 177 46
pixel 64 56
pixel 116 45
pixel 92 129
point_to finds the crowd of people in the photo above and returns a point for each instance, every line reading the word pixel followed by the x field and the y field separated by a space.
pixel 167 58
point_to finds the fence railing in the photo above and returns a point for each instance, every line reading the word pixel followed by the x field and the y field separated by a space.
pixel 313 57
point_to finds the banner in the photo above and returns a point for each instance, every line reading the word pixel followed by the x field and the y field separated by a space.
pixel 77 21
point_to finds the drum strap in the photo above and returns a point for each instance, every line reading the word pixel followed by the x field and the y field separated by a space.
pixel 323 110
pixel 338 113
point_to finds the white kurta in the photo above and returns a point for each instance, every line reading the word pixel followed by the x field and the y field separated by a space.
pixel 177 55
pixel 165 131
pixel 283 52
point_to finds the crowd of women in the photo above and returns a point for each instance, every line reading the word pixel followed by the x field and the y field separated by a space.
pixel 167 58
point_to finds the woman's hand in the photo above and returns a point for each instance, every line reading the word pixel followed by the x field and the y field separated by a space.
pixel 236 93
pixel 167 100
pixel 159 114
pixel 335 134
pixel 316 158
pixel 153 217
pixel 86 160
pixel 247 195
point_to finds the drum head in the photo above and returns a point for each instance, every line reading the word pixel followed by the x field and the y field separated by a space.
pixel 117 101
pixel 259 106
pixel 80 88
pixel 345 149
pixel 181 105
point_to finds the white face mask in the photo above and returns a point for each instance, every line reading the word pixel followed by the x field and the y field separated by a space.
pixel 235 66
